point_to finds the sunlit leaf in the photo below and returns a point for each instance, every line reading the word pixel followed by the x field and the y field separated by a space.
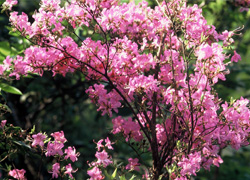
pixel 10 89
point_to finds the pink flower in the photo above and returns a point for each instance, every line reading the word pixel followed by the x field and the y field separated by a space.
pixel 103 158
pixel 59 137
pixel 161 134
pixel 20 22
pixel 191 164
pixel 204 52
pixel 226 36
pixel 242 9
pixel 3 122
pixel 6 65
pixel 236 57
pixel 108 143
pixel 54 148
pixel 106 101
pixel 99 144
pixel 54 4
pixel 95 174
pixel 2 69
pixel 18 174
pixel 38 139
pixel 69 170
pixel 71 153
pixel 55 170
pixel 217 160
pixel 132 129
pixel 7 62
pixel 117 124
pixel 9 3
pixel 133 164
pixel 145 83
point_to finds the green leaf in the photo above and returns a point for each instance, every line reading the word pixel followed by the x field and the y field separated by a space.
pixel 5 107
pixel 232 101
pixel 20 143
pixel 33 129
pixel 202 97
pixel 114 174
pixel 8 167
pixel 14 33
pixel 10 89
pixel 4 50
pixel 133 177
pixel 122 177
pixel 16 129
pixel 107 176
pixel 47 140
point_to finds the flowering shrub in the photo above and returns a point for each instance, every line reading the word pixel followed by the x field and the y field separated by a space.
pixel 159 63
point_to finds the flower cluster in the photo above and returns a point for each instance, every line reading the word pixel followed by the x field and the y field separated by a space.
pixel 133 164
pixel 160 64
pixel 103 160
pixel 18 174
pixel 191 164
pixel 129 128
pixel 55 149
pixel 7 5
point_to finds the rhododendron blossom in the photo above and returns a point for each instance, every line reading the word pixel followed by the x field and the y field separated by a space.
pixel 54 148
pixel 103 158
pixel 59 137
pixel 69 170
pixel 71 153
pixel 191 164
pixel 9 3
pixel 133 164
pixel 55 170
pixel 108 143
pixel 3 122
pixel 95 174
pixel 38 139
pixel 18 174
pixel 236 57
pixel 159 64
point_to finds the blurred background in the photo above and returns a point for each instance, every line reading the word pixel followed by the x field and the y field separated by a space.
pixel 60 103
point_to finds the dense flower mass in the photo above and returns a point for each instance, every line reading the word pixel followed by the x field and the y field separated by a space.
pixel 160 64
